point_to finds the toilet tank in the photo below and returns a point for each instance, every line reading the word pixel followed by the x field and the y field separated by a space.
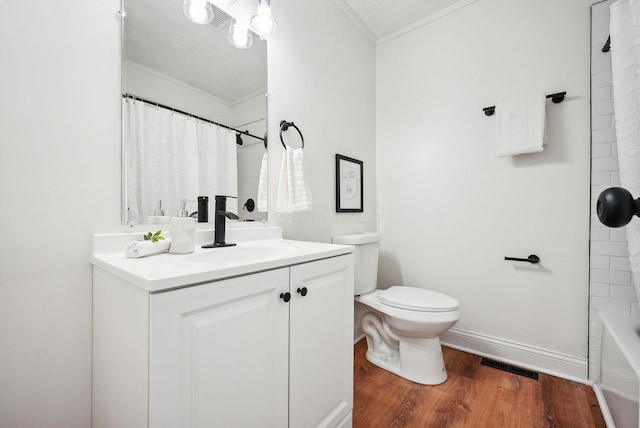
pixel 365 258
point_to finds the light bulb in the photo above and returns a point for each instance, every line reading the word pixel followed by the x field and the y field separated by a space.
pixel 239 35
pixel 199 11
pixel 263 21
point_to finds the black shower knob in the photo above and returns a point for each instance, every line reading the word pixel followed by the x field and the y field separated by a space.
pixel 616 207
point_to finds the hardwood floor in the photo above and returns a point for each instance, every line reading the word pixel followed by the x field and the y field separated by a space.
pixel 473 396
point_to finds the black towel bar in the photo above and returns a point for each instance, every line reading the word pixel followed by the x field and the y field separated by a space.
pixel 558 97
pixel 533 259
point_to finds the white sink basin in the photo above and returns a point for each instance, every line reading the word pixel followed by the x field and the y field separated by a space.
pixel 242 254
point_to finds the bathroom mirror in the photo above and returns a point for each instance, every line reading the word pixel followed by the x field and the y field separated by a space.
pixel 180 82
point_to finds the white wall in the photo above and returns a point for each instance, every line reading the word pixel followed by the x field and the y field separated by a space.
pixel 321 77
pixel 452 209
pixel 250 156
pixel 250 115
pixel 250 109
pixel 149 84
pixel 60 173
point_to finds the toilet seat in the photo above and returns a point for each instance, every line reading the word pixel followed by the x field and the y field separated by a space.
pixel 417 299
pixel 373 301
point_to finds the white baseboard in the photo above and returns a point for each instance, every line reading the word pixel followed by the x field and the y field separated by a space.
pixel 540 360
pixel 604 408
pixel 555 364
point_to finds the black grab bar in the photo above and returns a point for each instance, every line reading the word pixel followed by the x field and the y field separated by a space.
pixel 533 259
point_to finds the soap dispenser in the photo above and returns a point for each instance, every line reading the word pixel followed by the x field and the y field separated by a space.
pixel 158 216
pixel 183 232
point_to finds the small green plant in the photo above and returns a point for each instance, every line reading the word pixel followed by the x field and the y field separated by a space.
pixel 154 237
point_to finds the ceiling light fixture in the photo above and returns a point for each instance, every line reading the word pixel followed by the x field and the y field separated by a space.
pixel 239 35
pixel 263 21
pixel 199 11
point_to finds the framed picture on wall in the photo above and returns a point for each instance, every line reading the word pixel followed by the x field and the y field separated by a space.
pixel 349 185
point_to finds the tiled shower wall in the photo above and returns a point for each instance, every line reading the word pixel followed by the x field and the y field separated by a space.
pixel 611 288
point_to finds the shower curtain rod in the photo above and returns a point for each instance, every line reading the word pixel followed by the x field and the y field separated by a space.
pixel 194 116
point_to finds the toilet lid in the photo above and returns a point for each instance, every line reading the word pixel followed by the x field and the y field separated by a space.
pixel 417 299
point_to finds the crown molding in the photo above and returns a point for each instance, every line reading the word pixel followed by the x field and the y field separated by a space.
pixel 355 19
pixel 424 21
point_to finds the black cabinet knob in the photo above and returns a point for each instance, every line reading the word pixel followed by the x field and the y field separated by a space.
pixel 285 296
pixel 302 291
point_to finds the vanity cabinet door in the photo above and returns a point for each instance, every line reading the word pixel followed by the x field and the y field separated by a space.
pixel 321 335
pixel 219 354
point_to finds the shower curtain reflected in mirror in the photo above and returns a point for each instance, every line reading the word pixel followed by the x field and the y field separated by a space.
pixel 625 59
pixel 170 157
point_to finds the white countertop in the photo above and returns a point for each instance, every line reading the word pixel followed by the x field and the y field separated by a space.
pixel 166 271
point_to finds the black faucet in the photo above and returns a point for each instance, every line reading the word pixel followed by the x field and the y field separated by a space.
pixel 221 214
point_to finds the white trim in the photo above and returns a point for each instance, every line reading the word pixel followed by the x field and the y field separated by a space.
pixel 424 21
pixel 355 19
pixel 555 364
pixel 604 408
pixel 259 92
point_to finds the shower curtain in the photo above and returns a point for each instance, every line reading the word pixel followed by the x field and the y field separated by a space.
pixel 169 157
pixel 625 59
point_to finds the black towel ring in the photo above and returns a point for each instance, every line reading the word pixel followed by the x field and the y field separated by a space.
pixel 284 126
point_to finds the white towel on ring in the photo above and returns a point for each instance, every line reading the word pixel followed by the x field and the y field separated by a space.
pixel 263 183
pixel 520 125
pixel 293 188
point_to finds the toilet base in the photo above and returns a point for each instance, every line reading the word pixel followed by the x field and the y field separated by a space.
pixel 420 361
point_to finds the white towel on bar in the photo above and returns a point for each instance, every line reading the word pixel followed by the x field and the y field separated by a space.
pixel 520 125
pixel 263 183
pixel 293 188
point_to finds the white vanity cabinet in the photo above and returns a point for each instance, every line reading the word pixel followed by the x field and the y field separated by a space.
pixel 228 353
pixel 218 354
pixel 321 348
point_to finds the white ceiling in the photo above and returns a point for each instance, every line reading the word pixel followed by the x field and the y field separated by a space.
pixel 158 36
pixel 383 17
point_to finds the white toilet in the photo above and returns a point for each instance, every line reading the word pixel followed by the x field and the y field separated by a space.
pixel 404 323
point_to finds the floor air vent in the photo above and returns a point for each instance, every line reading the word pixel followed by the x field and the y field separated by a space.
pixel 508 368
